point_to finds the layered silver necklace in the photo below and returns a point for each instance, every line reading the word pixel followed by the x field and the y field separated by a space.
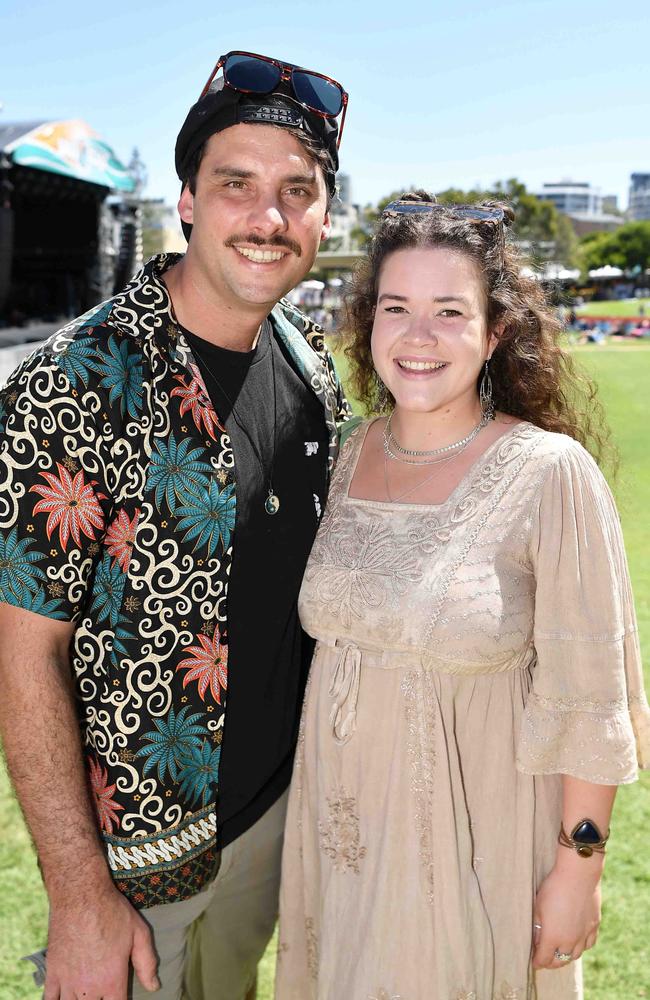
pixel 395 450
pixel 436 456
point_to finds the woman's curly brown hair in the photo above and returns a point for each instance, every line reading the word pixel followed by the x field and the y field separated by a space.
pixel 533 378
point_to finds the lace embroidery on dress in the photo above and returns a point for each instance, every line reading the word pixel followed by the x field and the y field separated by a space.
pixel 312 948
pixel 464 995
pixel 384 995
pixel 340 836
pixel 495 477
pixel 509 993
pixel 362 568
pixel 419 701
pixel 280 950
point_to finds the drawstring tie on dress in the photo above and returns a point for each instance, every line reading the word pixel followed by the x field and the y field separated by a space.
pixel 344 690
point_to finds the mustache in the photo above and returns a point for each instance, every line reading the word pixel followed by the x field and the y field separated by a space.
pixel 272 241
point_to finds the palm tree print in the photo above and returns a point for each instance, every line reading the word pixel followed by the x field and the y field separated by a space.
pixel 108 591
pixel 105 805
pixel 176 471
pixel 209 518
pixel 19 574
pixel 171 742
pixel 199 773
pixel 120 539
pixel 72 504
pixel 121 368
pixel 208 665
pixel 39 604
pixel 194 397
pixel 78 360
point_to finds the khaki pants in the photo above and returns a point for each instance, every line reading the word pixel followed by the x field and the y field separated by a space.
pixel 209 946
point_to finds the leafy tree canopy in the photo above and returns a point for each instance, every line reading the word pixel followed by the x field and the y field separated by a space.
pixel 627 248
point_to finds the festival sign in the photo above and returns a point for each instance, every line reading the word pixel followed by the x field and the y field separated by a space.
pixel 73 149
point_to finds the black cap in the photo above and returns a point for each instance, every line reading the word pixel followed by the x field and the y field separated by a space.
pixel 221 109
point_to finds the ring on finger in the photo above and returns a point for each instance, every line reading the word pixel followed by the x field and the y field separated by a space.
pixel 562 956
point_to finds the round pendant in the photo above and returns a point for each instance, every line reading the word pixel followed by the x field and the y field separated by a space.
pixel 272 504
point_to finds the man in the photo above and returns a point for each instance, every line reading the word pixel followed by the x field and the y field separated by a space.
pixel 163 466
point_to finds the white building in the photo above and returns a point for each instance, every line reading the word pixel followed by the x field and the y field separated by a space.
pixel 572 197
pixel 639 204
pixel 343 214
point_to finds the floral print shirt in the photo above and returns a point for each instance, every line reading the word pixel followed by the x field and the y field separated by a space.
pixel 117 510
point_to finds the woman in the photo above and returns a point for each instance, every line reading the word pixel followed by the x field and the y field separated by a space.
pixel 476 689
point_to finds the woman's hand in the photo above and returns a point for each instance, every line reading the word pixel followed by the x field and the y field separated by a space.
pixel 568 908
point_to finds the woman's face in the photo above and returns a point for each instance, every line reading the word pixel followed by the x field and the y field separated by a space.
pixel 429 337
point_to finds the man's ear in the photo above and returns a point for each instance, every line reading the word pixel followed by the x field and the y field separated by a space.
pixel 327 226
pixel 186 205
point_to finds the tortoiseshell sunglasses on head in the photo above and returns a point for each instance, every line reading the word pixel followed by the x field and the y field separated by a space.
pixel 250 73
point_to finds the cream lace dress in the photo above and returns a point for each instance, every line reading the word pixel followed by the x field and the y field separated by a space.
pixel 468 654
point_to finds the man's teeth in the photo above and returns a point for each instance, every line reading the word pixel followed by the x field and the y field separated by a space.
pixel 260 256
pixel 422 366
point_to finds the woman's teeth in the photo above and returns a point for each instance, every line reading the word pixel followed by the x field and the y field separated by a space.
pixel 422 366
pixel 260 256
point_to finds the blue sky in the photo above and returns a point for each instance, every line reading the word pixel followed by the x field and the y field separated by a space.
pixel 440 94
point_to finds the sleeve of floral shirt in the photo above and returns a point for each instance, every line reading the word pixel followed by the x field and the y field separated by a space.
pixel 316 339
pixel 55 502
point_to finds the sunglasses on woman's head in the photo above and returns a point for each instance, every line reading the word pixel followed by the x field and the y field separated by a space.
pixel 249 73
pixel 471 213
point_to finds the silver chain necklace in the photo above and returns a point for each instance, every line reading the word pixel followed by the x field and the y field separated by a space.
pixel 440 461
pixel 392 447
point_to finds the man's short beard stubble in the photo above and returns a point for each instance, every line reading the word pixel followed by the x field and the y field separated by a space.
pixel 273 241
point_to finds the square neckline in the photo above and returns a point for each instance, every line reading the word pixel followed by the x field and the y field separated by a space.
pixel 477 464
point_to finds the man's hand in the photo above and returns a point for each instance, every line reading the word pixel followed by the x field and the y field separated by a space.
pixel 90 946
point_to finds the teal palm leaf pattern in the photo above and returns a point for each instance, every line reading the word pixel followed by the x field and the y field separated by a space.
pixel 121 368
pixel 199 773
pixel 97 317
pixel 19 574
pixel 176 471
pixel 39 604
pixel 78 360
pixel 108 591
pixel 209 518
pixel 173 740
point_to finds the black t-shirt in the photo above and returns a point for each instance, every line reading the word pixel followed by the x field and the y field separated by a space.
pixel 268 653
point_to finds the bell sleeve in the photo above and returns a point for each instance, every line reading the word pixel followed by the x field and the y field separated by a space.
pixel 586 714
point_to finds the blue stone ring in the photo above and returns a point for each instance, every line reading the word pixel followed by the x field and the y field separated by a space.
pixel 585 838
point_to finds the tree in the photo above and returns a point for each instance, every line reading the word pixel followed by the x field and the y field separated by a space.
pixel 566 242
pixel 627 248
pixel 537 224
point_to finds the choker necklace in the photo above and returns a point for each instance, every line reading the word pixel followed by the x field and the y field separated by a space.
pixel 440 461
pixel 433 457
pixel 272 502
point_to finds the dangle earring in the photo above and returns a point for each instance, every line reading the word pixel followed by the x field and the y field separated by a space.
pixel 485 394
pixel 382 397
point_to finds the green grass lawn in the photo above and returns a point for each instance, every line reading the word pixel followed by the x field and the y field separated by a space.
pixel 618 968
pixel 626 307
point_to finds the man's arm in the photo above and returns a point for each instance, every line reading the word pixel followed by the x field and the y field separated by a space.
pixel 93 930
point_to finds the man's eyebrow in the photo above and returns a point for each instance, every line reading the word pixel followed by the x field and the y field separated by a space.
pixel 307 179
pixel 301 179
pixel 232 172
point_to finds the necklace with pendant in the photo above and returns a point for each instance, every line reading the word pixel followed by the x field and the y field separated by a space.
pixel 272 502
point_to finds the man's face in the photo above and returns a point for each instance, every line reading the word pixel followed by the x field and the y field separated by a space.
pixel 258 215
